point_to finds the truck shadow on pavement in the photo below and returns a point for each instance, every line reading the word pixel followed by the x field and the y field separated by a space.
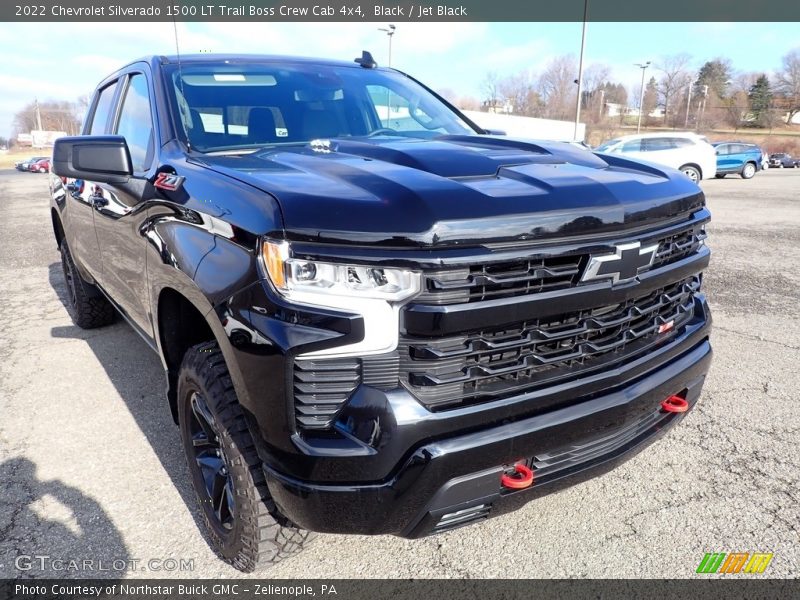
pixel 137 374
pixel 76 538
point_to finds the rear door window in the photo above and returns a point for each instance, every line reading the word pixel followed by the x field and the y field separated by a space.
pixel 102 109
pixel 656 144
pixel 681 142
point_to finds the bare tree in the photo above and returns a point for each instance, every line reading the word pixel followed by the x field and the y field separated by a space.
pixel 789 83
pixel 594 76
pixel 468 103
pixel 520 92
pixel 490 89
pixel 57 115
pixel 462 102
pixel 557 87
pixel 674 77
pixel 736 105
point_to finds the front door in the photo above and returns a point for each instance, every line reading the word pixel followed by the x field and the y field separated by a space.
pixel 82 238
pixel 120 212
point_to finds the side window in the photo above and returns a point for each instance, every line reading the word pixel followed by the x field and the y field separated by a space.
pixel 136 122
pixel 632 146
pixel 102 109
pixel 723 149
pixel 681 142
pixel 656 144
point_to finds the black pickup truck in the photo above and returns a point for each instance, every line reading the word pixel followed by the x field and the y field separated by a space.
pixel 375 317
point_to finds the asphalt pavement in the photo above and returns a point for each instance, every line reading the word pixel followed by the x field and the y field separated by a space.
pixel 91 468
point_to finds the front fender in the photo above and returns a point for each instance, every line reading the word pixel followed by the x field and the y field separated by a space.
pixel 191 255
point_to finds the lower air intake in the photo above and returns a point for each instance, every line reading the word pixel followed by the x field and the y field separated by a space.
pixel 462 517
pixel 321 389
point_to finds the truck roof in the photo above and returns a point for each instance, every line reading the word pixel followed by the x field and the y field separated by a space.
pixel 260 58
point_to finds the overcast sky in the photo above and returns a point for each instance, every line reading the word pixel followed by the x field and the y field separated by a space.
pixel 65 60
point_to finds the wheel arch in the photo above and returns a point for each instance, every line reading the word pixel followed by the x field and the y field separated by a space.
pixel 693 165
pixel 58 226
pixel 180 324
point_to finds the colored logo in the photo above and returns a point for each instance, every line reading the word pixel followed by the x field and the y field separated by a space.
pixel 734 562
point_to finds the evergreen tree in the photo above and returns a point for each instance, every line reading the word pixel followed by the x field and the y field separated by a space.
pixel 650 99
pixel 715 74
pixel 760 99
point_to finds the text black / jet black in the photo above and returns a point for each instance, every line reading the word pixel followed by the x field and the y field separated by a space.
pixel 374 317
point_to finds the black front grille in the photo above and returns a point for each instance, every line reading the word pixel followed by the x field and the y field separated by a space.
pixel 321 389
pixel 535 274
pixel 502 280
pixel 498 362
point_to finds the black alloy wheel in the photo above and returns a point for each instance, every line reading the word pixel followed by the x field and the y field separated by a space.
pixel 210 460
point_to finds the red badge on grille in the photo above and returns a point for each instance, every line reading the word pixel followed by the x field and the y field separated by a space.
pixel 664 327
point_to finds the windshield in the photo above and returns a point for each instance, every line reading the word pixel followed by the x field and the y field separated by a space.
pixel 227 106
pixel 606 145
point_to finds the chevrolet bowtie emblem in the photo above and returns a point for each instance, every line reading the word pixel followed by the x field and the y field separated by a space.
pixel 622 265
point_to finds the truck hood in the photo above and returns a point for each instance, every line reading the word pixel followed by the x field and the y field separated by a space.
pixel 457 190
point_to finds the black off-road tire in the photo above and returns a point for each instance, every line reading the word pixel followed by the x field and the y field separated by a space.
pixel 256 535
pixel 720 175
pixel 86 305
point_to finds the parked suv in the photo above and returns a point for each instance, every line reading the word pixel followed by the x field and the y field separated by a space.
pixel 735 157
pixel 373 317
pixel 688 152
pixel 783 160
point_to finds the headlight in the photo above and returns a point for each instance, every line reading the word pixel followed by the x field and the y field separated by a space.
pixel 293 276
pixel 375 293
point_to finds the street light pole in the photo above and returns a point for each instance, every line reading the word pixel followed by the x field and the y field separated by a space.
pixel 580 72
pixel 389 32
pixel 643 67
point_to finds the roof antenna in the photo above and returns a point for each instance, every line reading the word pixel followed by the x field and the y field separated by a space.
pixel 366 60
pixel 180 76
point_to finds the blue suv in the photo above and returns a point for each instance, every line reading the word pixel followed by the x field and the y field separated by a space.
pixel 735 157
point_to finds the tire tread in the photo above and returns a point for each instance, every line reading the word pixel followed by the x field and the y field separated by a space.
pixel 266 538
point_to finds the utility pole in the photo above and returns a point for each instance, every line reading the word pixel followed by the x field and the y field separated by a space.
pixel 389 33
pixel 703 109
pixel 38 114
pixel 579 81
pixel 688 101
pixel 643 67
pixel 602 102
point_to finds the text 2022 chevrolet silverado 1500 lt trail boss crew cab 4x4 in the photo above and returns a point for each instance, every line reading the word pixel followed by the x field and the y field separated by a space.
pixel 375 319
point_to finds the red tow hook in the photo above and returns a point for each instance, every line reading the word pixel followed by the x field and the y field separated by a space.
pixel 675 404
pixel 521 478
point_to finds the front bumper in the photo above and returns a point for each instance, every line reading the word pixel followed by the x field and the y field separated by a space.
pixel 456 480
pixel 390 464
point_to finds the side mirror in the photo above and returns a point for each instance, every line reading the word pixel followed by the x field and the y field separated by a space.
pixel 494 132
pixel 101 158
